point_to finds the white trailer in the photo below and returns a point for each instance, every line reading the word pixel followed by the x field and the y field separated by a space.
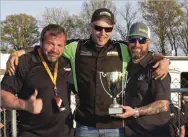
pixel 179 77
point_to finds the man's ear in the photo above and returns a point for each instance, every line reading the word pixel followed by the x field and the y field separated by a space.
pixel 149 42
pixel 89 26
pixel 40 43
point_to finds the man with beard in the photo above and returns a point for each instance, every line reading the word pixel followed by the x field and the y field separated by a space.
pixel 147 100
pixel 42 83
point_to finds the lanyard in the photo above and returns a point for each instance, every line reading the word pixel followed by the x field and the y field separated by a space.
pixel 53 78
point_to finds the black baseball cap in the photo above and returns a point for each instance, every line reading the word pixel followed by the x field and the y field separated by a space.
pixel 139 29
pixel 103 13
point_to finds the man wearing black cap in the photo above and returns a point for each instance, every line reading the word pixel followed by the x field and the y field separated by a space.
pixel 147 112
pixel 95 55
pixel 89 58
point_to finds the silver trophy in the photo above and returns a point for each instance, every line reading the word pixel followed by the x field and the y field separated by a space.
pixel 115 83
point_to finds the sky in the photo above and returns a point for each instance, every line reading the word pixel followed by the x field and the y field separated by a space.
pixel 37 7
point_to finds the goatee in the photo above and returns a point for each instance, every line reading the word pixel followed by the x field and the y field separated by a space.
pixel 137 55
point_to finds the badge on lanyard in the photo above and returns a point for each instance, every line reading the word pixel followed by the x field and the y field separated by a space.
pixel 59 101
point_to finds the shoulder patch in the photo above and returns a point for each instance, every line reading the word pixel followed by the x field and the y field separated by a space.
pixel 112 53
pixel 67 69
pixel 85 53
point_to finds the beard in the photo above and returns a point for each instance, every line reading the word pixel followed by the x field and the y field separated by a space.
pixel 137 54
pixel 50 56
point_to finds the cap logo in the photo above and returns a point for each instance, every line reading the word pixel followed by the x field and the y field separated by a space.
pixel 143 30
pixel 105 13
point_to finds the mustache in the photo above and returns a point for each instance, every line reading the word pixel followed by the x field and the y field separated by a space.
pixel 135 47
pixel 51 52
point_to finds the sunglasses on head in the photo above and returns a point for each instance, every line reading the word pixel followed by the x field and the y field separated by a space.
pixel 141 40
pixel 99 28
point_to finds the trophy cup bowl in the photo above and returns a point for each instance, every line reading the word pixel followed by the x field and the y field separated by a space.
pixel 114 89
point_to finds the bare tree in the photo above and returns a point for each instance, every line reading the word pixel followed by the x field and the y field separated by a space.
pixel 153 13
pixel 78 29
pixel 90 6
pixel 75 25
pixel 164 19
pixel 175 14
pixel 54 16
pixel 183 30
pixel 128 15
pixel 61 17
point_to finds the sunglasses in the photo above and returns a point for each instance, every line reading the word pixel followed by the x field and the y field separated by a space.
pixel 99 28
pixel 141 40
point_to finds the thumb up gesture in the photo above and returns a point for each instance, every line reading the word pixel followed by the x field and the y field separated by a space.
pixel 34 105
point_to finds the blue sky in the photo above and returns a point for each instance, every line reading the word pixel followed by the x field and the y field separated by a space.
pixel 37 7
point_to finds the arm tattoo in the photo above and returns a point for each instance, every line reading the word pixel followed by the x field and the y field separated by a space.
pixel 155 107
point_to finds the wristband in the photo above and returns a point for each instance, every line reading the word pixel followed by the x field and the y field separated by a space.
pixel 136 113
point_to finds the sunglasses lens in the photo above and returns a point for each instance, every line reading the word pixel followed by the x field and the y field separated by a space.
pixel 141 40
pixel 132 40
pixel 99 28
pixel 108 29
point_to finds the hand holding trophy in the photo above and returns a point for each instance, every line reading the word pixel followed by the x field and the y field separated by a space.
pixel 115 87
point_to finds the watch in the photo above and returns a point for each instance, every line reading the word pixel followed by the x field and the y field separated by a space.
pixel 136 115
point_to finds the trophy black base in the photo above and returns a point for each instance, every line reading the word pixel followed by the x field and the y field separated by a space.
pixel 113 111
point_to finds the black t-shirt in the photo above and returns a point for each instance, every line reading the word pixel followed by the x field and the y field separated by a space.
pixel 142 90
pixel 30 75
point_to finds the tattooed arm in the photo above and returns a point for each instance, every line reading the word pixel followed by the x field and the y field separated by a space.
pixel 150 109
pixel 154 108
pixel 160 90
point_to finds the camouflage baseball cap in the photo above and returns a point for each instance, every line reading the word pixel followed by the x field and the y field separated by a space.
pixel 139 29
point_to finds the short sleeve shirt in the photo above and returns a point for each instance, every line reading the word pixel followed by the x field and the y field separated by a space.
pixel 31 75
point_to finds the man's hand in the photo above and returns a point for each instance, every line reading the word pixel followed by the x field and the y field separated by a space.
pixel 34 105
pixel 162 68
pixel 1 125
pixel 13 61
pixel 129 112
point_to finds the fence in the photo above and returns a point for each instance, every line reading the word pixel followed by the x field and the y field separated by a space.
pixel 182 109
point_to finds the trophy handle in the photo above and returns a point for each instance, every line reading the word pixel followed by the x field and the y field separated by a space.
pixel 104 75
pixel 123 87
pixel 124 83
